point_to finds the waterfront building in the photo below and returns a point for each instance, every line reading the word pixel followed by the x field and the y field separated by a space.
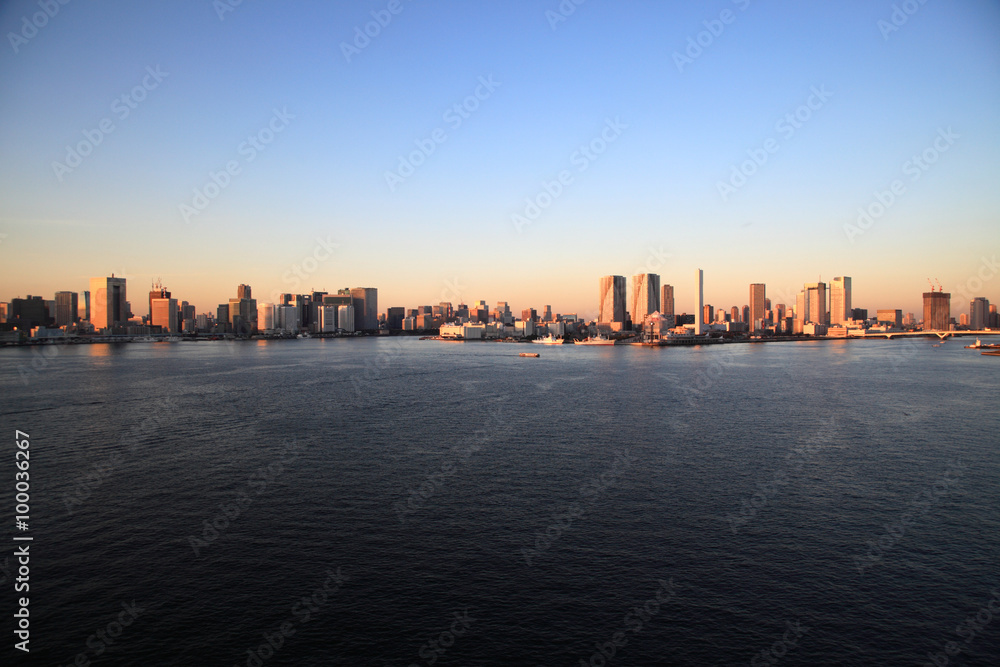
pixel 699 323
pixel 611 301
pixel 645 297
pixel 937 311
pixel 816 303
pixel 840 300
pixel 893 318
pixel 979 309
pixel 667 301
pixel 758 307
pixel 109 306
pixel 346 318
pixel 164 315
pixel 67 306
pixel 365 302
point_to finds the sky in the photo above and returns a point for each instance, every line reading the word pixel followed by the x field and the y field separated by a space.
pixel 507 151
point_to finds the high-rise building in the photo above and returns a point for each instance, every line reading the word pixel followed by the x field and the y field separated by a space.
pixel 243 292
pixel 757 306
pixel 699 321
pixel 645 297
pixel 667 300
pixel 345 318
pixel 860 314
pixel 85 307
pixel 547 311
pixel 28 313
pixel 734 314
pixel 979 310
pixel 707 314
pixel 365 302
pixel 611 303
pixel 394 318
pixel 109 306
pixel 222 317
pixel 265 316
pixel 67 305
pixel 840 300
pixel 157 291
pixel 529 315
pixel 816 303
pixel 937 311
pixel 164 314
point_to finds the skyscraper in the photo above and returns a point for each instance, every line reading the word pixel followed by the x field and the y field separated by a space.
pixel 937 311
pixel 645 297
pixel 108 307
pixel 840 300
pixel 67 305
pixel 816 303
pixel 757 306
pixel 699 324
pixel 158 291
pixel 243 292
pixel 611 304
pixel 979 310
pixel 365 302
pixel 164 314
pixel 667 302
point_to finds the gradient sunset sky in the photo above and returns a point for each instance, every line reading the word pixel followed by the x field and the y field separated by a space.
pixel 881 92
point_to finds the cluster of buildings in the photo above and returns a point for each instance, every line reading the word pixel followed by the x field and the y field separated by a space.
pixel 104 309
pixel 647 311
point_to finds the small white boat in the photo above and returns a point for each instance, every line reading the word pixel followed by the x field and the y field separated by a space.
pixel 549 340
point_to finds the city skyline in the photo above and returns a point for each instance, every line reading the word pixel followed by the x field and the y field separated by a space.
pixel 870 154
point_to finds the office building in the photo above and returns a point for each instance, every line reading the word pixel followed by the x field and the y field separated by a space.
pixel 67 305
pixel 758 307
pixel 979 310
pixel 734 314
pixel 890 317
pixel 164 315
pixel 667 300
pixel 840 300
pixel 937 311
pixel 815 294
pixel 243 292
pixel 707 314
pixel 611 301
pixel 265 317
pixel 365 302
pixel 109 306
pixel 645 297
pixel 346 318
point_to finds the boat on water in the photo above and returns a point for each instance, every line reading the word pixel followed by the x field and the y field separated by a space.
pixel 596 340
pixel 549 340
pixel 529 354
pixel 991 353
pixel 979 346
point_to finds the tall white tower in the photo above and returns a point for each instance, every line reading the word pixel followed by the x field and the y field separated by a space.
pixel 699 326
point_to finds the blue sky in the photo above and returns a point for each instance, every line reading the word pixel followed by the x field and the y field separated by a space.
pixel 650 201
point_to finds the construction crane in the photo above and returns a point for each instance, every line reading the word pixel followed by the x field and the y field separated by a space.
pixel 931 284
pixel 940 289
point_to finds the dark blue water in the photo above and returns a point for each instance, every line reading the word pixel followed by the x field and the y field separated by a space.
pixel 836 503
